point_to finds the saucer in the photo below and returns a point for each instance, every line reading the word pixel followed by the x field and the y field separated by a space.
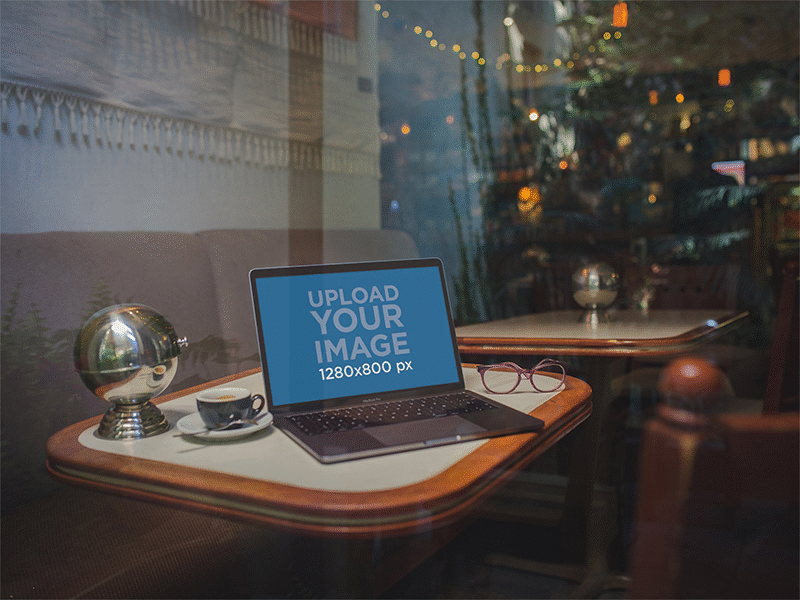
pixel 192 424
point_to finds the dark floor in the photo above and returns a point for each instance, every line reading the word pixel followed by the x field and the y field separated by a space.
pixel 460 569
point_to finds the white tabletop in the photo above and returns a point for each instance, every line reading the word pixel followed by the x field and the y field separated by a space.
pixel 270 455
pixel 623 324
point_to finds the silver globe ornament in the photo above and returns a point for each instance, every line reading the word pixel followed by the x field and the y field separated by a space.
pixel 127 354
pixel 595 287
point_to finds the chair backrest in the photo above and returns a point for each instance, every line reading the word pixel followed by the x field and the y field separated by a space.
pixel 697 286
pixel 782 379
pixel 718 497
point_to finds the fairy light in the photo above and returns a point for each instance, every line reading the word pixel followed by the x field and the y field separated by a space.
pixel 724 77
pixel 558 63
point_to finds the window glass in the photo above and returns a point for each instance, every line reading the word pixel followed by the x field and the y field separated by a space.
pixel 520 140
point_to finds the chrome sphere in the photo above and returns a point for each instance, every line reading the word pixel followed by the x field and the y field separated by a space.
pixel 595 287
pixel 127 354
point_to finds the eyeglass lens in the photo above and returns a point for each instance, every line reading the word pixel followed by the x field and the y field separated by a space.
pixel 502 379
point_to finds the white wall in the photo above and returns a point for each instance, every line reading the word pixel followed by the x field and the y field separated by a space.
pixel 58 181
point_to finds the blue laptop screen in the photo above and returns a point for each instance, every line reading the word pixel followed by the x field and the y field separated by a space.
pixel 332 335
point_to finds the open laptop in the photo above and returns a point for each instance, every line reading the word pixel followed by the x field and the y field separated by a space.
pixel 343 345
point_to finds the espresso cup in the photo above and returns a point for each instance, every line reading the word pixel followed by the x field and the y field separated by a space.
pixel 220 406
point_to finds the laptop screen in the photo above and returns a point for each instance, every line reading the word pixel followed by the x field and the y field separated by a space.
pixel 330 332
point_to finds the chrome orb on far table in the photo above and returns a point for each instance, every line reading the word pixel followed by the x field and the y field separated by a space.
pixel 595 287
pixel 127 354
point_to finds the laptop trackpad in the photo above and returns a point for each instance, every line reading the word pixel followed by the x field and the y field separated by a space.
pixel 441 428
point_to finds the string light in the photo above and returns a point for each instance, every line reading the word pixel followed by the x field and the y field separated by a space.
pixel 724 77
pixel 620 10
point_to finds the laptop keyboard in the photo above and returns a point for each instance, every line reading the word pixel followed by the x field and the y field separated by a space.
pixel 387 413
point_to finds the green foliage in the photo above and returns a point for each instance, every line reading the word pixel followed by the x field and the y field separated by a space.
pixel 28 351
pixel 37 366
pixel 214 349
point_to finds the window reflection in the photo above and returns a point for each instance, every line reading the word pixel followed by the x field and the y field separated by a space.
pixel 536 136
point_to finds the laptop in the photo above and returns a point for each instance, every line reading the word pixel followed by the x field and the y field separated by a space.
pixel 360 359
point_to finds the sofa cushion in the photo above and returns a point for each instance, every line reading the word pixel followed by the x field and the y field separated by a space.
pixel 233 253
pixel 51 283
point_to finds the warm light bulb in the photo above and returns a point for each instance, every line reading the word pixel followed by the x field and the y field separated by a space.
pixel 620 15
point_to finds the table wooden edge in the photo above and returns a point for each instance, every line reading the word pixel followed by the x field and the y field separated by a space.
pixel 593 347
pixel 438 500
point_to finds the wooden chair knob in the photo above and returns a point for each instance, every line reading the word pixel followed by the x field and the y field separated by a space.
pixel 691 383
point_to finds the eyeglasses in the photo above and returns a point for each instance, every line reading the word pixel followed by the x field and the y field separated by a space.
pixel 505 377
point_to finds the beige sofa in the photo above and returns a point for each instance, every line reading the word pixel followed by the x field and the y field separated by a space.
pixel 52 282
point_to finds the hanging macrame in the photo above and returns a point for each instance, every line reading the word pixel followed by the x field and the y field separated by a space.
pixel 200 79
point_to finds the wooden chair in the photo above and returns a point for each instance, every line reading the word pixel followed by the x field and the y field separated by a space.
pixel 782 378
pixel 718 496
pixel 697 286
